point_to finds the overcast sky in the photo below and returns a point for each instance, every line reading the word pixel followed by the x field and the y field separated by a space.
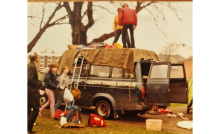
pixel 147 36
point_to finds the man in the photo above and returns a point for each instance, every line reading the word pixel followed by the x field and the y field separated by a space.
pixel 117 30
pixel 127 18
pixel 33 101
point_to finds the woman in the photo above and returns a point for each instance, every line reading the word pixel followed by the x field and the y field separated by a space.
pixel 64 83
pixel 50 85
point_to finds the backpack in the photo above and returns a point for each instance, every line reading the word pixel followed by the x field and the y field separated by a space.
pixel 76 92
pixel 73 117
pixel 95 120
pixel 57 114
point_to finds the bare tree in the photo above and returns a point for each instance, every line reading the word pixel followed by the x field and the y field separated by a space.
pixel 44 26
pixel 170 52
pixel 79 30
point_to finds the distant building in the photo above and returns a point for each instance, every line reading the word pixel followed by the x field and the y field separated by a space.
pixel 171 58
pixel 45 59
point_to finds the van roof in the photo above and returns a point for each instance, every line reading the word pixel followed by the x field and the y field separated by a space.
pixel 122 58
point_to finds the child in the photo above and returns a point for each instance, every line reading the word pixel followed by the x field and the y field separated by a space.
pixel 50 84
pixel 64 83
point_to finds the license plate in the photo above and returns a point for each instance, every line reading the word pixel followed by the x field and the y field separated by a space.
pixel 154 107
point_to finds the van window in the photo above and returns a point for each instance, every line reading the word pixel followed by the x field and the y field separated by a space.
pixel 176 72
pixel 117 72
pixel 159 71
pixel 99 71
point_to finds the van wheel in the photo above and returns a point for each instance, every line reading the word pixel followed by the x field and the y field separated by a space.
pixel 103 109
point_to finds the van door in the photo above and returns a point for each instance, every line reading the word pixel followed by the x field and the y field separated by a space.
pixel 158 84
pixel 178 85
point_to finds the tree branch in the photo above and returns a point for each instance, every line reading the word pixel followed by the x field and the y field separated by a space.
pixel 156 23
pixel 174 11
pixel 103 8
pixel 90 16
pixel 32 17
pixel 139 7
pixel 57 24
pixel 103 37
pixel 68 10
pixel 43 29
pixel 43 12
pixel 58 21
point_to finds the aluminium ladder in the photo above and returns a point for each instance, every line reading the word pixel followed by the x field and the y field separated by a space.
pixel 80 69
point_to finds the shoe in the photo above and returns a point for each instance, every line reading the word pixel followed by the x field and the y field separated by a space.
pixel 40 114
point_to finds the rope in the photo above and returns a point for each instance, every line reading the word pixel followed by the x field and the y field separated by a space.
pixel 130 88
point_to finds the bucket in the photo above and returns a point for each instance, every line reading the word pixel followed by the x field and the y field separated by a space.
pixel 153 124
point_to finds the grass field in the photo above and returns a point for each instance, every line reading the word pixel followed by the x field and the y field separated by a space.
pixel 47 125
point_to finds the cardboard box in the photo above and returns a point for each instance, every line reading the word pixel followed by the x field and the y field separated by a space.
pixel 153 124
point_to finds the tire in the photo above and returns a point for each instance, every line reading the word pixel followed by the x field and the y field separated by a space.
pixel 103 109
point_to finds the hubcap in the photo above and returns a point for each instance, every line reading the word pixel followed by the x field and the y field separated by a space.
pixel 102 109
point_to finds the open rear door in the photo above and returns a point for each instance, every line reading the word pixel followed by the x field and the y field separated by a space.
pixel 178 86
pixel 158 84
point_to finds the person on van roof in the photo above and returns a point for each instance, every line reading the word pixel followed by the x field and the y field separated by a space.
pixel 118 30
pixel 127 18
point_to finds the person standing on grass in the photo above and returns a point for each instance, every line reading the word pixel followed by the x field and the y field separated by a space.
pixel 33 100
pixel 64 83
pixel 50 85
pixel 127 18
pixel 117 30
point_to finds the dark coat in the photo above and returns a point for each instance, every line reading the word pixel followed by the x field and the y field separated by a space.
pixel 32 78
pixel 51 81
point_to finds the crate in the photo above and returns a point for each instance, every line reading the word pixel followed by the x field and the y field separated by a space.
pixel 153 124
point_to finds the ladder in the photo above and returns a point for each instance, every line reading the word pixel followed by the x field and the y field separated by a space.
pixel 80 69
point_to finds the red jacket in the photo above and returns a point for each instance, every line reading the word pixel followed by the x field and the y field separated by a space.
pixel 127 16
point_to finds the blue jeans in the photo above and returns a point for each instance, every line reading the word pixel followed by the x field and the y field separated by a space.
pixel 117 35
pixel 60 98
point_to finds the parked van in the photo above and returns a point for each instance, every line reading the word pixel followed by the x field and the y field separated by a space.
pixel 150 85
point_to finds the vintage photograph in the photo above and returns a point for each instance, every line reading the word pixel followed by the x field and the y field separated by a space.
pixel 110 67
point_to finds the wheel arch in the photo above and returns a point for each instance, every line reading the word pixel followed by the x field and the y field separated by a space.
pixel 104 96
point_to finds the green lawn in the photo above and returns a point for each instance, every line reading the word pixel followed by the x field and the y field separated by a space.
pixel 47 125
